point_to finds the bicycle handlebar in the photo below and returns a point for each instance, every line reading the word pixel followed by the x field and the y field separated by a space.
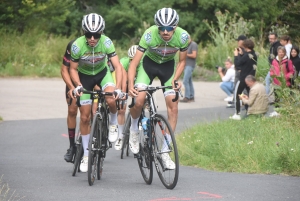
pixel 152 88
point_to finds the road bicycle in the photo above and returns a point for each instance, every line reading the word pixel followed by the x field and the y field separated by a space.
pixel 158 144
pixel 98 143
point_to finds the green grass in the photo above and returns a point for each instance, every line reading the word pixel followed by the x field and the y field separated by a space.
pixel 1 119
pixel 253 145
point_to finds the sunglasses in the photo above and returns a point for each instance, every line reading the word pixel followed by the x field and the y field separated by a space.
pixel 167 28
pixel 90 34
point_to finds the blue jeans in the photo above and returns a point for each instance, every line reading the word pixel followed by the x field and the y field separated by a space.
pixel 268 82
pixel 187 82
pixel 227 87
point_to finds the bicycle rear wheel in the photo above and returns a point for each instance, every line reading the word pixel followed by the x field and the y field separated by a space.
pixel 165 152
pixel 78 155
pixel 94 147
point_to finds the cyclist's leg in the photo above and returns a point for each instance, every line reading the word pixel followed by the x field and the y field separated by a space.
pixel 71 122
pixel 107 84
pixel 143 79
pixel 87 82
pixel 166 76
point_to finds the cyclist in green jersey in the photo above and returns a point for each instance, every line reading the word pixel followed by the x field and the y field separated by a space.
pixel 157 49
pixel 88 56
pixel 125 61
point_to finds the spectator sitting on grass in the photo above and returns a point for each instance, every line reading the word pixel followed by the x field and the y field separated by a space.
pixel 258 99
pixel 227 79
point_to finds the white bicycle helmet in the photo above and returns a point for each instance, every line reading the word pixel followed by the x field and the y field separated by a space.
pixel 93 23
pixel 132 51
pixel 166 17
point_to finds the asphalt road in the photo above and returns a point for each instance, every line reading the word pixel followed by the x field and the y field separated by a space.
pixel 32 149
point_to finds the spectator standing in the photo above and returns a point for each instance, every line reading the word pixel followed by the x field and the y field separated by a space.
pixel 257 100
pixel 227 79
pixel 281 65
pixel 241 51
pixel 189 94
pixel 247 64
pixel 286 42
pixel 295 59
pixel 273 39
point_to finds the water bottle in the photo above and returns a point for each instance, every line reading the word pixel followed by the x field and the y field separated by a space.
pixel 145 125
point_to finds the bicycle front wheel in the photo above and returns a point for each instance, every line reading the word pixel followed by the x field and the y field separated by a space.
pixel 165 151
pixel 94 147
pixel 125 144
pixel 145 160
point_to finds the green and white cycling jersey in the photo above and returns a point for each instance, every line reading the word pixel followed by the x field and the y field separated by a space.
pixel 159 50
pixel 125 61
pixel 92 60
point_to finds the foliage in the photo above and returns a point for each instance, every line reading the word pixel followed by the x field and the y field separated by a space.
pixel 223 35
pixel 124 18
pixel 34 56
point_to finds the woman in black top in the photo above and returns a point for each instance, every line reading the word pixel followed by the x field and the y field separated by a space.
pixel 247 64
pixel 295 58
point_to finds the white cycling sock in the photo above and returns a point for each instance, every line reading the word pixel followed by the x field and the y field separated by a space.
pixel 85 143
pixel 120 130
pixel 165 145
pixel 134 124
pixel 113 118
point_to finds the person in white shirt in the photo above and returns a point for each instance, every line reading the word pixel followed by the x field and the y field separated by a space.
pixel 286 42
pixel 227 84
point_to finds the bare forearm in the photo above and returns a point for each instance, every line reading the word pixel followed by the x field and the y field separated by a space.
pixel 179 69
pixel 131 75
pixel 66 77
pixel 74 76
pixel 124 79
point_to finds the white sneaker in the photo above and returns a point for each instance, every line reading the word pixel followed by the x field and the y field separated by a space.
pixel 119 144
pixel 274 114
pixel 236 117
pixel 113 133
pixel 84 164
pixel 167 161
pixel 134 142
pixel 229 98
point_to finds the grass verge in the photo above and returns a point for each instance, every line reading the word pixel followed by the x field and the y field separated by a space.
pixel 254 145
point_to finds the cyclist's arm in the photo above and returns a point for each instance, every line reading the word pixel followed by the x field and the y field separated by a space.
pixel 66 76
pixel 132 67
pixel 74 73
pixel 124 79
pixel 118 69
pixel 181 64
